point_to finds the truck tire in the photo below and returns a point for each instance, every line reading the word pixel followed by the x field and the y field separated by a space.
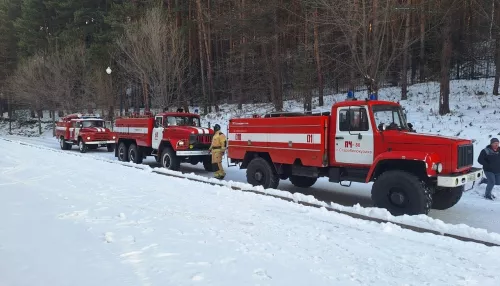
pixel 63 144
pixel 302 181
pixel 82 146
pixel 134 154
pixel 207 164
pixel 110 147
pixel 401 193
pixel 261 173
pixel 122 152
pixel 169 160
pixel 445 198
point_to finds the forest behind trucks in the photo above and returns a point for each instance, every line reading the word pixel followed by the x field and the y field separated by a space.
pixel 358 141
pixel 171 137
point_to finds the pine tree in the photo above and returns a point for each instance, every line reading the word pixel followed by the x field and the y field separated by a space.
pixel 33 28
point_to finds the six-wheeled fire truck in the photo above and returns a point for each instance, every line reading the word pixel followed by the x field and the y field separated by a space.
pixel 358 141
pixel 171 137
pixel 85 131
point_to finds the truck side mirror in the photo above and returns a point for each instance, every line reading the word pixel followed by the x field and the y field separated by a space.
pixel 382 127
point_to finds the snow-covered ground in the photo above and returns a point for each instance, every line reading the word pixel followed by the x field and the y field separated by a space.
pixel 74 220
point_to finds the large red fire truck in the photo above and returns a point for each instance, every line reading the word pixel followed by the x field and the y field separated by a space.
pixel 358 141
pixel 86 131
pixel 171 137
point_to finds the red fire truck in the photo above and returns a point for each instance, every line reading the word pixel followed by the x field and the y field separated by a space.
pixel 358 141
pixel 171 137
pixel 86 131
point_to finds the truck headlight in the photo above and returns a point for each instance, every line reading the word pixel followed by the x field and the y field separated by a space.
pixel 88 138
pixel 114 137
pixel 180 143
pixel 438 167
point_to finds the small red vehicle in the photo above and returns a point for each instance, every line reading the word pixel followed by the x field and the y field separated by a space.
pixel 171 137
pixel 358 141
pixel 85 131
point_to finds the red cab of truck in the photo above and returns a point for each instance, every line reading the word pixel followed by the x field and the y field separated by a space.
pixel 86 131
pixel 171 137
pixel 358 141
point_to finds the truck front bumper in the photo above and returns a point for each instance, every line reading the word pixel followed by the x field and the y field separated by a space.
pixel 100 142
pixel 451 181
pixel 193 153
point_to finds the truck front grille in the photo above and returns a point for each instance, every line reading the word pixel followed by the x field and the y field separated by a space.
pixel 465 156
pixel 204 139
pixel 100 137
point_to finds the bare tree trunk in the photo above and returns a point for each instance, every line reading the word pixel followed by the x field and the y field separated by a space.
pixel 318 59
pixel 495 15
pixel 202 62
pixel 10 111
pixel 497 65
pixel 422 43
pixel 404 69
pixel 39 115
pixel 352 74
pixel 278 92
pixel 444 93
pixel 206 41
pixel 243 57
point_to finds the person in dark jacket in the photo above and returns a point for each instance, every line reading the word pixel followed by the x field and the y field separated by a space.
pixel 490 159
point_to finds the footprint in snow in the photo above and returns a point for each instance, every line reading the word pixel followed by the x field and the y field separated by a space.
pixel 108 237
pixel 197 277
pixel 261 274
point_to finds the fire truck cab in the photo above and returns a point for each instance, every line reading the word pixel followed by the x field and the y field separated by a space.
pixel 358 141
pixel 87 131
pixel 171 137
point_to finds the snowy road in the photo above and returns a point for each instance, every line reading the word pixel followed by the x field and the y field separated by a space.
pixel 473 210
pixel 77 221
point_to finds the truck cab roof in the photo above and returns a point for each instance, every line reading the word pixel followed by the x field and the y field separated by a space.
pixel 185 114
pixel 364 102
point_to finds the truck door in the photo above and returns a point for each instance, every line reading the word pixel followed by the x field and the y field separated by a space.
pixel 76 129
pixel 354 136
pixel 157 132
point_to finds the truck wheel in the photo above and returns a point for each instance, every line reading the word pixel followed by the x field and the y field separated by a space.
pixel 82 146
pixel 207 164
pixel 401 193
pixel 261 173
pixel 134 154
pixel 445 198
pixel 169 160
pixel 110 147
pixel 122 152
pixel 63 144
pixel 302 181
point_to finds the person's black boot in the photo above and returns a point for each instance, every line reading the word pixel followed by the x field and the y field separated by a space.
pixel 490 197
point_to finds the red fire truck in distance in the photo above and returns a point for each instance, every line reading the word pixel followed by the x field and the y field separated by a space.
pixel 358 141
pixel 85 131
pixel 171 137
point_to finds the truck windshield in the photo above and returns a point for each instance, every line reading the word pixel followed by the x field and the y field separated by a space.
pixel 92 123
pixel 390 115
pixel 183 121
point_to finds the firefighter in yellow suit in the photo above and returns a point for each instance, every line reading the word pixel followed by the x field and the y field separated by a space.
pixel 218 148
